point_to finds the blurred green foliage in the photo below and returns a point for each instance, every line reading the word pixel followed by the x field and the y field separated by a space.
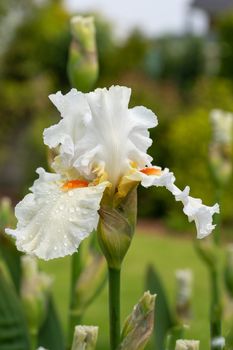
pixel 166 74
pixel 225 29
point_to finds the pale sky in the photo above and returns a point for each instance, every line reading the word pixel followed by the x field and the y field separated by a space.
pixel 152 16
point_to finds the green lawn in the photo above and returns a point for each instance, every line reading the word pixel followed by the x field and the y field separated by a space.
pixel 166 254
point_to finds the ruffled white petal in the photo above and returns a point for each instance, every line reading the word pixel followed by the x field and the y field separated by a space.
pixel 53 222
pixel 110 135
pixel 196 211
pixel 74 111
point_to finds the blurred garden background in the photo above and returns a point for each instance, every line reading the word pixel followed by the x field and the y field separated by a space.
pixel 181 76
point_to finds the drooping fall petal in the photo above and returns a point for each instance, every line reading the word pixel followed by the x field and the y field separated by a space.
pixel 52 221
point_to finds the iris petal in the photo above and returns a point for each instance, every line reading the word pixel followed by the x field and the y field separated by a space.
pixel 52 222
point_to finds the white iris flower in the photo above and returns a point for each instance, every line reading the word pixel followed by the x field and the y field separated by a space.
pixel 102 145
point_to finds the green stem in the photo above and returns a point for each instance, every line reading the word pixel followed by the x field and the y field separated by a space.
pixel 114 307
pixel 74 316
pixel 215 309
pixel 218 218
pixel 33 336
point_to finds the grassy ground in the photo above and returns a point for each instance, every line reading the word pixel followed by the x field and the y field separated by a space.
pixel 166 254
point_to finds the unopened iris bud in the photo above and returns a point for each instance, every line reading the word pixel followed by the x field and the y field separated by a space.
pixel 116 228
pixel 187 344
pixel 35 287
pixel 90 281
pixel 220 151
pixel 83 62
pixel 228 273
pixel 139 325
pixel 85 338
pixel 183 293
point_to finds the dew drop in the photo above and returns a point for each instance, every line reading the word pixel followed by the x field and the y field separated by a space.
pixel 55 248
pixel 71 210
pixel 61 207
pixel 70 193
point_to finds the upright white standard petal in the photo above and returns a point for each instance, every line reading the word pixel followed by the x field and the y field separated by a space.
pixel 196 211
pixel 67 133
pixel 52 221
pixel 111 137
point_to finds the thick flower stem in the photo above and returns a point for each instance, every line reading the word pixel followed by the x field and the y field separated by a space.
pixel 74 316
pixel 114 306
pixel 215 307
pixel 215 310
pixel 33 335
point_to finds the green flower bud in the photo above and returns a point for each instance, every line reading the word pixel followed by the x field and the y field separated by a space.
pixel 183 293
pixel 85 338
pixel 35 286
pixel 139 325
pixel 116 228
pixel 91 279
pixel 83 63
pixel 228 273
pixel 187 345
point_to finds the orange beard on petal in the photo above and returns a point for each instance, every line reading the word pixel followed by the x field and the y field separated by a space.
pixel 72 184
pixel 151 171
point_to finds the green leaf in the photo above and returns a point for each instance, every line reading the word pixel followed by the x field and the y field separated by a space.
pixel 51 334
pixel 163 316
pixel 13 330
pixel 11 257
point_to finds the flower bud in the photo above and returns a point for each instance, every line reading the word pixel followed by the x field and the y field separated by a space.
pixel 35 286
pixel 139 325
pixel 220 151
pixel 228 273
pixel 183 293
pixel 85 338
pixel 83 63
pixel 187 344
pixel 90 281
pixel 116 228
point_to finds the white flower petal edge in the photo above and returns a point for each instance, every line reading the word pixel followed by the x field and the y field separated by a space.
pixel 110 135
pixel 196 211
pixel 53 222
